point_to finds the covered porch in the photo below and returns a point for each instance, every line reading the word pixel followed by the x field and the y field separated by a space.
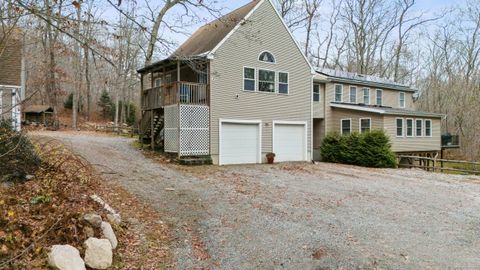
pixel 175 100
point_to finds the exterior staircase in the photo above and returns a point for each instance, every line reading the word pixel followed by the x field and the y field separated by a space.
pixel 158 125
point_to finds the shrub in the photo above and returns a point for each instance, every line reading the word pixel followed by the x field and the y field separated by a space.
pixel 371 149
pixel 17 154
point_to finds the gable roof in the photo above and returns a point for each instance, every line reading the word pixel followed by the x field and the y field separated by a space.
pixel 368 80
pixel 207 37
pixel 37 109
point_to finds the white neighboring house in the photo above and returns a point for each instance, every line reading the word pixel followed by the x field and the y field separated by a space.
pixel 11 81
pixel 10 104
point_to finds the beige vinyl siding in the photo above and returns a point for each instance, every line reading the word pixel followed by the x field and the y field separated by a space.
pixel 411 144
pixel 263 31
pixel 319 107
pixel 10 62
pixel 391 98
pixel 6 103
pixel 355 116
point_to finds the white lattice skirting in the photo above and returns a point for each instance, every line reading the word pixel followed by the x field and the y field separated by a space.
pixel 192 121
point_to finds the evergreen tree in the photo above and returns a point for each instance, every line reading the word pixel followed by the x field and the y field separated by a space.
pixel 105 103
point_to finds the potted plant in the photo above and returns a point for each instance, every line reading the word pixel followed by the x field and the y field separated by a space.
pixel 270 158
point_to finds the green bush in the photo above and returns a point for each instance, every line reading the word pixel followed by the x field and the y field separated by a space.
pixel 17 154
pixel 370 149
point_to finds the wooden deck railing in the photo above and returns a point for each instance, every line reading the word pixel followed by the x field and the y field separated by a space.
pixel 176 93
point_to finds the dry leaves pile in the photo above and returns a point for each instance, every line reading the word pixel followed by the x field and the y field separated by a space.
pixel 47 210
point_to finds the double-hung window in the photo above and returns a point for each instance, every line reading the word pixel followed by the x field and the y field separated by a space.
pixel 249 79
pixel 346 126
pixel 428 128
pixel 282 83
pixel 316 93
pixel 338 93
pixel 366 96
pixel 418 127
pixel 379 97
pixel 365 125
pixel 401 99
pixel 353 94
pixel 399 122
pixel 266 80
pixel 409 127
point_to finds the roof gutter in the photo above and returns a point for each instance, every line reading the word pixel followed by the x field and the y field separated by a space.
pixel 368 83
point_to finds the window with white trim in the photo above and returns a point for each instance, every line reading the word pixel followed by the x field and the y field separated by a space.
pixel 365 125
pixel 266 57
pixel 379 97
pixel 353 94
pixel 418 127
pixel 338 93
pixel 248 79
pixel 266 80
pixel 409 127
pixel 401 99
pixel 428 128
pixel 399 122
pixel 346 126
pixel 366 96
pixel 316 93
pixel 282 83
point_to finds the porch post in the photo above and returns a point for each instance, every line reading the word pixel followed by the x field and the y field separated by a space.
pixel 152 133
pixel 177 86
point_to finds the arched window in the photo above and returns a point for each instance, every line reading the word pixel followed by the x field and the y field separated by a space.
pixel 266 57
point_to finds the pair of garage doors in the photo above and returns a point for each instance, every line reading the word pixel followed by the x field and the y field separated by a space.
pixel 241 142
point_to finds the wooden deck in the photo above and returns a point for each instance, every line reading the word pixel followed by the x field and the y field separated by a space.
pixel 175 93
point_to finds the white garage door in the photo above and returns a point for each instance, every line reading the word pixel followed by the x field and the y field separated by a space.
pixel 239 143
pixel 289 142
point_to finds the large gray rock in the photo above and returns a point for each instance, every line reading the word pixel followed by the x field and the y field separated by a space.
pixel 98 253
pixel 109 234
pixel 93 219
pixel 65 257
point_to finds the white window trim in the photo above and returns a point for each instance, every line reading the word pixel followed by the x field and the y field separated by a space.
pixel 294 123
pixel 335 93
pixel 255 79
pixel 413 127
pixel 274 58
pixel 319 93
pixel 360 123
pixel 396 127
pixel 278 82
pixel 350 94
pixel 275 90
pixel 421 128
pixel 400 100
pixel 235 121
pixel 425 128
pixel 376 97
pixel 341 125
pixel 363 95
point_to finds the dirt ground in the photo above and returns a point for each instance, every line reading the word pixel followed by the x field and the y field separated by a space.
pixel 298 216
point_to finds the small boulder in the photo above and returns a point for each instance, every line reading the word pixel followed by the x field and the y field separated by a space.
pixel 114 219
pixel 65 257
pixel 109 234
pixel 93 219
pixel 98 253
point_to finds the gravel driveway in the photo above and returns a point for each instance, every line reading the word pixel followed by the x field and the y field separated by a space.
pixel 299 216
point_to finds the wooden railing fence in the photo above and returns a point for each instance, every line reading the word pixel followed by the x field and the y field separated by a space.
pixel 438 165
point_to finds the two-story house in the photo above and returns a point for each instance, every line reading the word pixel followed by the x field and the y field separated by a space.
pixel 11 80
pixel 346 102
pixel 241 87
